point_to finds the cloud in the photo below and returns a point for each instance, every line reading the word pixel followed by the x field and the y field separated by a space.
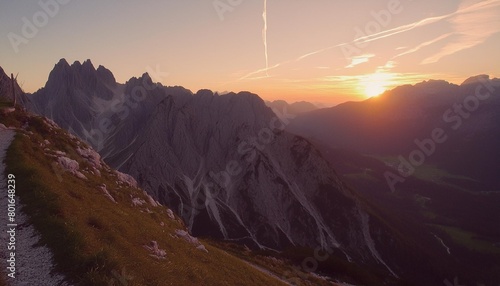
pixel 423 45
pixel 264 35
pixel 364 39
pixel 473 24
pixel 359 60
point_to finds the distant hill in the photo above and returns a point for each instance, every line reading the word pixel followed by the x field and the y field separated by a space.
pixel 389 125
pixel 295 108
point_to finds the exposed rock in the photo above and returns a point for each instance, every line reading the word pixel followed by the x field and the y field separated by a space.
pixel 155 250
pixel 71 166
pixel 126 179
pixel 190 239
pixel 106 193
pixel 92 156
pixel 170 214
pixel 136 202
pixel 150 200
pixel 202 248
pixel 50 123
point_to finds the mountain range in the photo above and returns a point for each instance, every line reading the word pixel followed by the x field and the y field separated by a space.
pixel 222 162
pixel 266 176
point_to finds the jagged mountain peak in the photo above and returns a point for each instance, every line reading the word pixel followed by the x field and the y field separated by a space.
pixel 106 75
pixel 62 62
pixel 476 79
pixel 88 67
pixel 145 80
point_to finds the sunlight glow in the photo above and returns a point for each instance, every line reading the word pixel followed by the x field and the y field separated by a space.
pixel 375 84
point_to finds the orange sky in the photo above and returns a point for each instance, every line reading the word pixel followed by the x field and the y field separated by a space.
pixel 325 51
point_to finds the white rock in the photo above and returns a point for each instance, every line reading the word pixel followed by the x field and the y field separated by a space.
pixel 190 239
pixel 202 248
pixel 155 250
pixel 71 166
pixel 170 214
pixel 127 179
pixel 50 123
pixel 106 193
pixel 138 202
pixel 91 156
pixel 151 201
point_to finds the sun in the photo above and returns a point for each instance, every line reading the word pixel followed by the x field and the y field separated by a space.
pixel 375 84
pixel 373 89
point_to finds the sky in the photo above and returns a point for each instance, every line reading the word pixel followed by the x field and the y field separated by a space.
pixel 322 51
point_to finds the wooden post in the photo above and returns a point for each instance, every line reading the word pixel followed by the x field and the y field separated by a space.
pixel 13 89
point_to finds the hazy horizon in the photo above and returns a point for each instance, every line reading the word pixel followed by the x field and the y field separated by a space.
pixel 323 52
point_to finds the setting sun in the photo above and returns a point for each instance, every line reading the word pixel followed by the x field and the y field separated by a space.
pixel 375 84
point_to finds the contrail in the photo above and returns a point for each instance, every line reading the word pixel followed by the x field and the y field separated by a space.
pixel 377 36
pixel 264 34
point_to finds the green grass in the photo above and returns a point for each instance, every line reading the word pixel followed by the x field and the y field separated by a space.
pixel 97 242
pixel 430 173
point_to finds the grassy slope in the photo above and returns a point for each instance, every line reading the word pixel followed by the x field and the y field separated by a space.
pixel 98 242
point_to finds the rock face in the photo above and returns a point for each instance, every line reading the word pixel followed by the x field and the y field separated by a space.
pixel 232 176
pixel 79 86
pixel 222 162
